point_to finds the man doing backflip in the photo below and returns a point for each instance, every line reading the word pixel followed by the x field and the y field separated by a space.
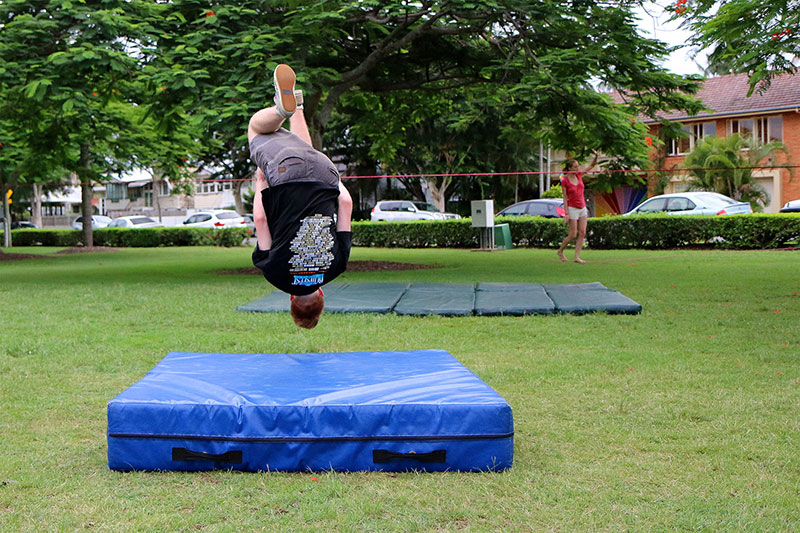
pixel 301 209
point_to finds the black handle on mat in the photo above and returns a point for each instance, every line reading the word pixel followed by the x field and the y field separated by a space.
pixel 384 456
pixel 231 457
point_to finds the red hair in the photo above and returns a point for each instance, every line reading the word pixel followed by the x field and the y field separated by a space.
pixel 306 310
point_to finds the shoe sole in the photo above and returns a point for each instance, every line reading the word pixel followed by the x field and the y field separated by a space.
pixel 284 79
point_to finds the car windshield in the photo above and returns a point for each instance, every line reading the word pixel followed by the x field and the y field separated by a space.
pixel 422 206
pixel 715 199
pixel 100 218
pixel 227 214
pixel 142 220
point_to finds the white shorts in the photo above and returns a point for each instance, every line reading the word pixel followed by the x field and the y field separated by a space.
pixel 577 212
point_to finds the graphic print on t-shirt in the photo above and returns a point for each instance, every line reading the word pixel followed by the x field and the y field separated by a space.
pixel 313 250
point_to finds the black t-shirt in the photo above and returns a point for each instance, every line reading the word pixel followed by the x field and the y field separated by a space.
pixel 307 251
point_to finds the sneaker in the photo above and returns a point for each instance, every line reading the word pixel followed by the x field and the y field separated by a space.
pixel 284 90
pixel 298 97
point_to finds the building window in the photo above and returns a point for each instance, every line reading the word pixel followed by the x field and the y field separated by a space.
pixel 694 133
pixel 763 129
pixel 163 188
pixel 116 191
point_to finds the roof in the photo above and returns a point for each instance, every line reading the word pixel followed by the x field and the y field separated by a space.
pixel 727 95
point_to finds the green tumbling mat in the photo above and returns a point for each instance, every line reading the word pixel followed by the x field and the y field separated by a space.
pixel 512 299
pixel 581 298
pixel 460 299
pixel 451 299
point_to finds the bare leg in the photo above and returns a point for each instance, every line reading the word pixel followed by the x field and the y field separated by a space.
pixel 581 237
pixel 573 231
pixel 264 121
pixel 299 126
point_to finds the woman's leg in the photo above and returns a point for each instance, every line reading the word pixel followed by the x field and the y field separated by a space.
pixel 573 231
pixel 581 225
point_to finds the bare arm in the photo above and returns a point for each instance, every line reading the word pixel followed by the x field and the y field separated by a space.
pixel 345 209
pixel 259 215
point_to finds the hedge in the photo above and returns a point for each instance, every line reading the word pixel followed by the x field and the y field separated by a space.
pixel 133 238
pixel 642 231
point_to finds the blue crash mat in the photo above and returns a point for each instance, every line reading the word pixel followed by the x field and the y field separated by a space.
pixel 395 411
pixel 461 299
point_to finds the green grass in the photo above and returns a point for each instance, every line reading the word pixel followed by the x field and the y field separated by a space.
pixel 686 417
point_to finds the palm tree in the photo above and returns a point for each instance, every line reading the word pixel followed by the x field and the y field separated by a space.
pixel 725 165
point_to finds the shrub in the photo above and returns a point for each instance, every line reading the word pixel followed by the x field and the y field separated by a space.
pixel 132 238
pixel 642 231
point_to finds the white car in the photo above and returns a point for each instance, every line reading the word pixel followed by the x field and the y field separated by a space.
pixel 791 207
pixel 215 219
pixel 400 210
pixel 692 203
pixel 98 221
pixel 135 222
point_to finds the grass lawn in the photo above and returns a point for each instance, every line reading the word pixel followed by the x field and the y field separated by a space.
pixel 686 417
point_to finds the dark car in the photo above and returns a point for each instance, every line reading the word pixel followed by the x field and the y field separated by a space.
pixel 544 207
pixel 18 224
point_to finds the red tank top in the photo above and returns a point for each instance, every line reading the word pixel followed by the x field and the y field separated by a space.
pixel 574 192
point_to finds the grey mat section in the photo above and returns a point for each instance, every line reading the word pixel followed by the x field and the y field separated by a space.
pixel 363 297
pixel 580 298
pixel 515 299
pixel 451 299
pixel 460 299
pixel 273 302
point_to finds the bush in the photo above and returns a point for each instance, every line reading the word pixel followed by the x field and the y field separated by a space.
pixel 132 238
pixel 641 231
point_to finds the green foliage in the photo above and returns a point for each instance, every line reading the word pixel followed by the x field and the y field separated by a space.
pixel 725 165
pixel 747 36
pixel 659 232
pixel 655 232
pixel 553 192
pixel 133 238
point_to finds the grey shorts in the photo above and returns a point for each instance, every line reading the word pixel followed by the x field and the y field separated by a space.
pixel 285 158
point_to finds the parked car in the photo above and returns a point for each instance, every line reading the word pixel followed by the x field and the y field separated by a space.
pixel 692 203
pixel 18 224
pixel 135 222
pixel 215 219
pixel 543 207
pixel 400 210
pixel 791 207
pixel 98 221
pixel 21 224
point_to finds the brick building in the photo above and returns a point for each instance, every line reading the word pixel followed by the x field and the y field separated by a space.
pixel 771 115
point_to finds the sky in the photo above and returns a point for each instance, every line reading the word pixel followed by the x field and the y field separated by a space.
pixel 654 23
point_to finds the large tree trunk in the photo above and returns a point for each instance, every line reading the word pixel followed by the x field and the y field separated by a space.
pixel 438 191
pixel 36 205
pixel 237 196
pixel 86 196
pixel 7 217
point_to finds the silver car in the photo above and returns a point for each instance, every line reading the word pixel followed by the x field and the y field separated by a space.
pixel 692 203
pixel 215 219
pixel 401 210
pixel 98 221
pixel 135 222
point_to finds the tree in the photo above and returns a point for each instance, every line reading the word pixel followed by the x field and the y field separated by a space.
pixel 532 61
pixel 753 36
pixel 71 70
pixel 725 165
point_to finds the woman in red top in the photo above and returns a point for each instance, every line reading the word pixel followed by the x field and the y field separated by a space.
pixel 575 212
